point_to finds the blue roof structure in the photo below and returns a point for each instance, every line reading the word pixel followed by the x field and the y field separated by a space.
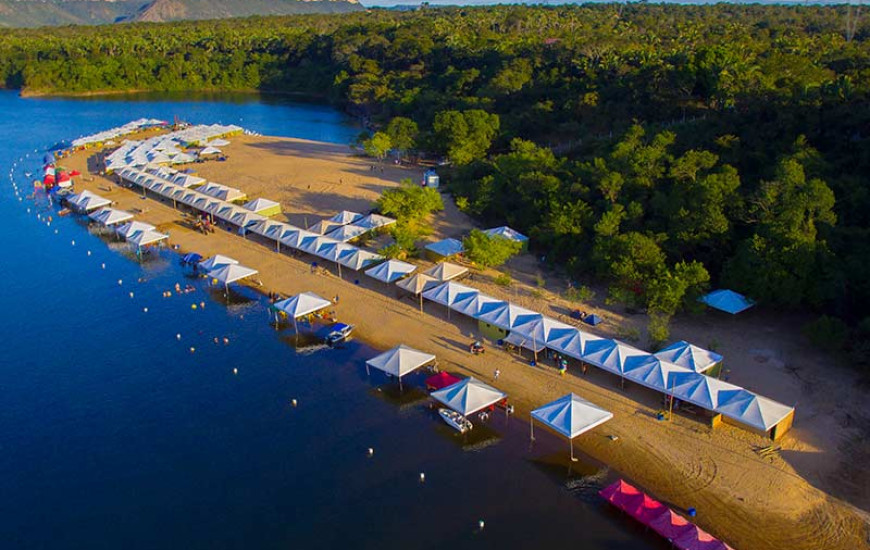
pixel 446 248
pixel 727 301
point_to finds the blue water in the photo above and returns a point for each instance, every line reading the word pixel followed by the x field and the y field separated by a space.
pixel 114 434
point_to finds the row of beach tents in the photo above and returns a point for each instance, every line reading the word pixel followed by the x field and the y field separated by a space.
pixel 676 371
pixel 117 132
pixel 99 209
pixel 171 148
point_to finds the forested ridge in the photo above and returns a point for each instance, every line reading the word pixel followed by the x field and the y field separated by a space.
pixel 661 148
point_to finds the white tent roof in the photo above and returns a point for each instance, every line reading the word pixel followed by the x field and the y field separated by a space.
pixel 216 261
pixel 446 271
pixel 690 356
pixel 357 259
pixel 400 360
pixel 142 238
pixel 258 205
pixel 472 304
pixel 507 315
pixel 231 273
pixel 757 411
pixel 373 221
pixel 269 228
pixel 655 373
pixel 571 415
pixel 110 216
pixel 302 304
pixel 468 396
pixel 332 250
pixel 87 200
pixel 450 292
pixel 417 283
pixel 346 217
pixel 294 236
pixel 312 244
pixel 323 227
pixel 571 341
pixel 615 356
pixel 210 150
pixel 243 218
pixel 696 388
pixel 390 270
pixel 129 228
pixel 347 232
pixel 218 142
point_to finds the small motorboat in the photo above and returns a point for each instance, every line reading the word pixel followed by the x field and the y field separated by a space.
pixel 338 333
pixel 456 420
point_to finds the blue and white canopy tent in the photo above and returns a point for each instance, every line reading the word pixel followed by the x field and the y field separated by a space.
pixel 468 396
pixel 301 305
pixel 569 416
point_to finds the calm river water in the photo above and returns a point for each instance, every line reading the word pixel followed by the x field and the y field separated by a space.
pixel 114 435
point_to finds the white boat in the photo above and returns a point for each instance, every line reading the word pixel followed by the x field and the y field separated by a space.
pixel 339 333
pixel 455 420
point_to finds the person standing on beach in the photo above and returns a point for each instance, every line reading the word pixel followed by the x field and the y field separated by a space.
pixel 496 374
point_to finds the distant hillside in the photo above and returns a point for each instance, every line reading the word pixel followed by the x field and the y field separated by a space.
pixel 37 13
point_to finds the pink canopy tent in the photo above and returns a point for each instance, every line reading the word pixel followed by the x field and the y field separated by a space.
pixel 698 539
pixel 670 525
pixel 646 510
pixel 622 495
pixel 441 380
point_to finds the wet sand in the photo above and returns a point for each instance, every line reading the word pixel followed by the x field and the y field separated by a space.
pixel 748 500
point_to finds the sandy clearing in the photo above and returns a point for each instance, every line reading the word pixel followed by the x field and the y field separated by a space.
pixel 751 502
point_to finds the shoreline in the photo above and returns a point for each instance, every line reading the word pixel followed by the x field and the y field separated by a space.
pixel 747 501
pixel 35 94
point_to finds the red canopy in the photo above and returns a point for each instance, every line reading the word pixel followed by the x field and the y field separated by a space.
pixel 698 539
pixel 646 510
pixel 75 173
pixel 670 525
pixel 48 180
pixel 622 495
pixel 441 380
pixel 63 176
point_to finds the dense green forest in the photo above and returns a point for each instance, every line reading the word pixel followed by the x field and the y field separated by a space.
pixel 661 148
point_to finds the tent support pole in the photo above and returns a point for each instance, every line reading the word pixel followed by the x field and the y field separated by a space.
pixel 421 303
pixel 532 429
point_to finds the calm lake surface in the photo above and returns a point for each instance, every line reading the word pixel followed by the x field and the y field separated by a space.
pixel 113 434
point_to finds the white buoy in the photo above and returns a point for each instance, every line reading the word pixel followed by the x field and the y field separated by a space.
pixel 145 309
pixel 89 252
pixel 371 451
pixel 235 370
pixel 120 281
pixel 103 266
pixel 192 349
pixel 293 402
pixel 73 243
pixel 131 295
pixel 422 477
pixel 481 524
pixel 178 336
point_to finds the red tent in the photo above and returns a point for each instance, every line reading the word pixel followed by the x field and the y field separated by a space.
pixel 698 539
pixel 75 173
pixel 622 495
pixel 670 525
pixel 646 510
pixel 48 180
pixel 441 380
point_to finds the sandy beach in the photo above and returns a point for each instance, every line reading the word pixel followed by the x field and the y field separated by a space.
pixel 814 494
